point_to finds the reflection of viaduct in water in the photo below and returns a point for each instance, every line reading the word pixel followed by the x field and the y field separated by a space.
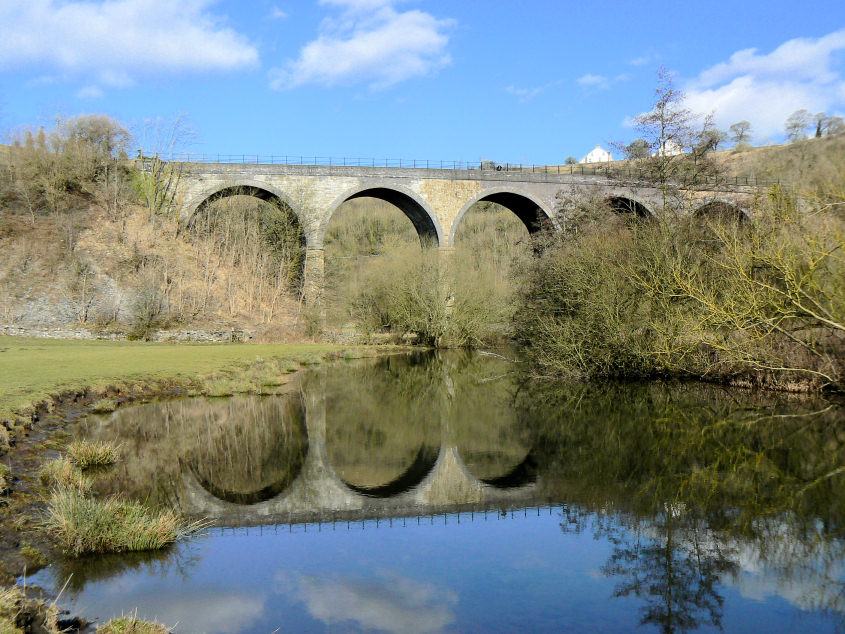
pixel 437 480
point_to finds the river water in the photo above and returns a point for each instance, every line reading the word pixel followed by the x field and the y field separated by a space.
pixel 446 492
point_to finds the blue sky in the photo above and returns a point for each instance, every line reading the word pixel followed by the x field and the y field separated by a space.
pixel 521 82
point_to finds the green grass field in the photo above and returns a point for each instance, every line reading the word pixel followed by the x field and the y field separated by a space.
pixel 33 369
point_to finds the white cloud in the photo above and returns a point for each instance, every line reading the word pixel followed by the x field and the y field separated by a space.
pixel 527 94
pixel 391 603
pixel 599 82
pixel 277 14
pixel 369 41
pixel 643 60
pixel 90 92
pixel 766 88
pixel 113 42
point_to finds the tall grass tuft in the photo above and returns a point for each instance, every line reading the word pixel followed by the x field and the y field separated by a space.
pixel 86 526
pixel 61 472
pixel 87 454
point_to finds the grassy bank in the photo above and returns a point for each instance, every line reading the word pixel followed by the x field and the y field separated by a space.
pixel 32 371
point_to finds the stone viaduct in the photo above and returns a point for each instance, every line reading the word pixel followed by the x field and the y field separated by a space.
pixel 435 200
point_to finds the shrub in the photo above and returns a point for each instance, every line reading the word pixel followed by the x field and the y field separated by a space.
pixel 759 303
pixel 84 526
pixel 147 311
pixel 446 301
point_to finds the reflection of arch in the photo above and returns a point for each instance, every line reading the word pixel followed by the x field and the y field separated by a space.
pixel 243 498
pixel 256 189
pixel 628 205
pixel 293 463
pixel 533 213
pixel 407 201
pixel 423 464
pixel 722 210
pixel 523 473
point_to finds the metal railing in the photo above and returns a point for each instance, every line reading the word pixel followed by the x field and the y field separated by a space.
pixel 605 170
pixel 354 521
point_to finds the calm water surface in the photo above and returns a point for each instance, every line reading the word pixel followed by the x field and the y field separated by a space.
pixel 444 492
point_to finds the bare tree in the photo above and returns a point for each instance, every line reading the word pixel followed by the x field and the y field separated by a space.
pixel 675 160
pixel 161 141
pixel 827 125
pixel 740 132
pixel 835 125
pixel 637 149
pixel 796 125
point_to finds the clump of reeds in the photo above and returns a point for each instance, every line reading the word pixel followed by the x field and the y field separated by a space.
pixel 62 472
pixel 4 440
pixel 4 478
pixel 104 406
pixel 131 625
pixel 84 525
pixel 86 454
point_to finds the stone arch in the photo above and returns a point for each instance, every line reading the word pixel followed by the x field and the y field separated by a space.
pixel 287 459
pixel 256 189
pixel 423 464
pixel 533 213
pixel 523 473
pixel 407 201
pixel 625 204
pixel 721 208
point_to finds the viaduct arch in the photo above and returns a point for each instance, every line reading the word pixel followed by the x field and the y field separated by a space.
pixel 435 200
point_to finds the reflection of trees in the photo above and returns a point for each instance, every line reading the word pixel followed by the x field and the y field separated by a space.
pixel 672 572
pixel 699 485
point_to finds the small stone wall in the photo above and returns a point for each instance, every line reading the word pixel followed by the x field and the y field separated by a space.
pixel 176 336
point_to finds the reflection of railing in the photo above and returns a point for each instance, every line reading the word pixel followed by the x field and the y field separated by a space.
pixel 605 170
pixel 361 520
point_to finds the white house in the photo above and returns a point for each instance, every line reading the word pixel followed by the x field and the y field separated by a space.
pixel 670 148
pixel 597 155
